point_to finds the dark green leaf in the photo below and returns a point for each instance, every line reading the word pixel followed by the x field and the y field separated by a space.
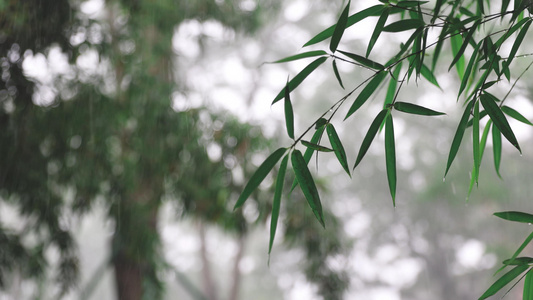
pixel 377 30
pixel 339 29
pixel 503 281
pixel 458 136
pixel 353 19
pixel 515 115
pixel 369 137
pixel 337 75
pixel 316 147
pixel 307 184
pixel 499 119
pixel 517 43
pixel 277 200
pixel 337 147
pixel 469 69
pixel 516 216
pixel 407 4
pixel 391 90
pixel 415 109
pixel 528 286
pixel 364 61
pixel 390 156
pixel 518 251
pixel 300 56
pixel 426 72
pixel 518 261
pixel 289 114
pixel 314 140
pixel 321 122
pixel 259 176
pixel 475 142
pixel 404 25
pixel 295 82
pixel 460 51
pixel 497 148
pixel 370 88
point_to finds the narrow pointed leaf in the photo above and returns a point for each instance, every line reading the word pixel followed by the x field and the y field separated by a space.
pixel 515 216
pixel 426 72
pixel 295 82
pixel 390 156
pixel 515 115
pixel 307 184
pixel 300 56
pixel 461 50
pixel 482 145
pixel 475 142
pixel 339 29
pixel 456 41
pixel 528 286
pixel 469 69
pixel 337 75
pixel 316 147
pixel 370 88
pixel 517 43
pixel 337 147
pixel 497 148
pixel 415 109
pixel 404 25
pixel 276 204
pixel 377 30
pixel 289 114
pixel 309 151
pixel 369 137
pixel 393 83
pixel 517 252
pixel 259 176
pixel 504 280
pixel 353 19
pixel 364 61
pixel 518 261
pixel 499 120
pixel 458 136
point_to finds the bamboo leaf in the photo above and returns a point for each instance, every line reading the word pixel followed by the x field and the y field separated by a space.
pixel 515 115
pixel 499 120
pixel 475 142
pixel 370 88
pixel 276 204
pixel 393 83
pixel 300 56
pixel 528 286
pixel 518 251
pixel 497 148
pixel 289 114
pixel 259 176
pixel 295 82
pixel 415 109
pixel 307 184
pixel 337 147
pixel 458 136
pixel 460 52
pixel 364 61
pixel 426 72
pixel 404 25
pixel 515 216
pixel 353 19
pixel 517 43
pixel 456 40
pixel 377 30
pixel 369 137
pixel 309 151
pixel 504 280
pixel 337 75
pixel 316 147
pixel 339 28
pixel 390 156
pixel 518 261
pixel 469 69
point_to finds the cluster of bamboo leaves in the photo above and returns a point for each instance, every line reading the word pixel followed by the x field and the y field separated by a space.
pixel 463 25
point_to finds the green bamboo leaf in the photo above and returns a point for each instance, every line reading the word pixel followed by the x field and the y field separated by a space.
pixel 497 148
pixel 337 147
pixel 475 142
pixel 528 286
pixel 504 280
pixel 319 123
pixel 404 25
pixel 259 176
pixel 390 156
pixel 482 146
pixel 518 251
pixel 436 10
pixel 505 5
pixel 408 4
pixel 517 43
pixel 295 82
pixel 314 140
pixel 426 72
pixel 415 109
pixel 369 137
pixel 316 147
pixel 508 34
pixel 393 83
pixel 458 136
pixel 499 120
pixel 364 61
pixel 339 28
pixel 276 204
pixel 515 115
pixel 307 184
pixel 461 50
pixel 377 30
pixel 515 216
pixel 353 19
pixel 289 114
pixel 300 56
pixel 337 75
pixel 469 69
pixel 370 88
pixel 456 41
pixel 518 261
